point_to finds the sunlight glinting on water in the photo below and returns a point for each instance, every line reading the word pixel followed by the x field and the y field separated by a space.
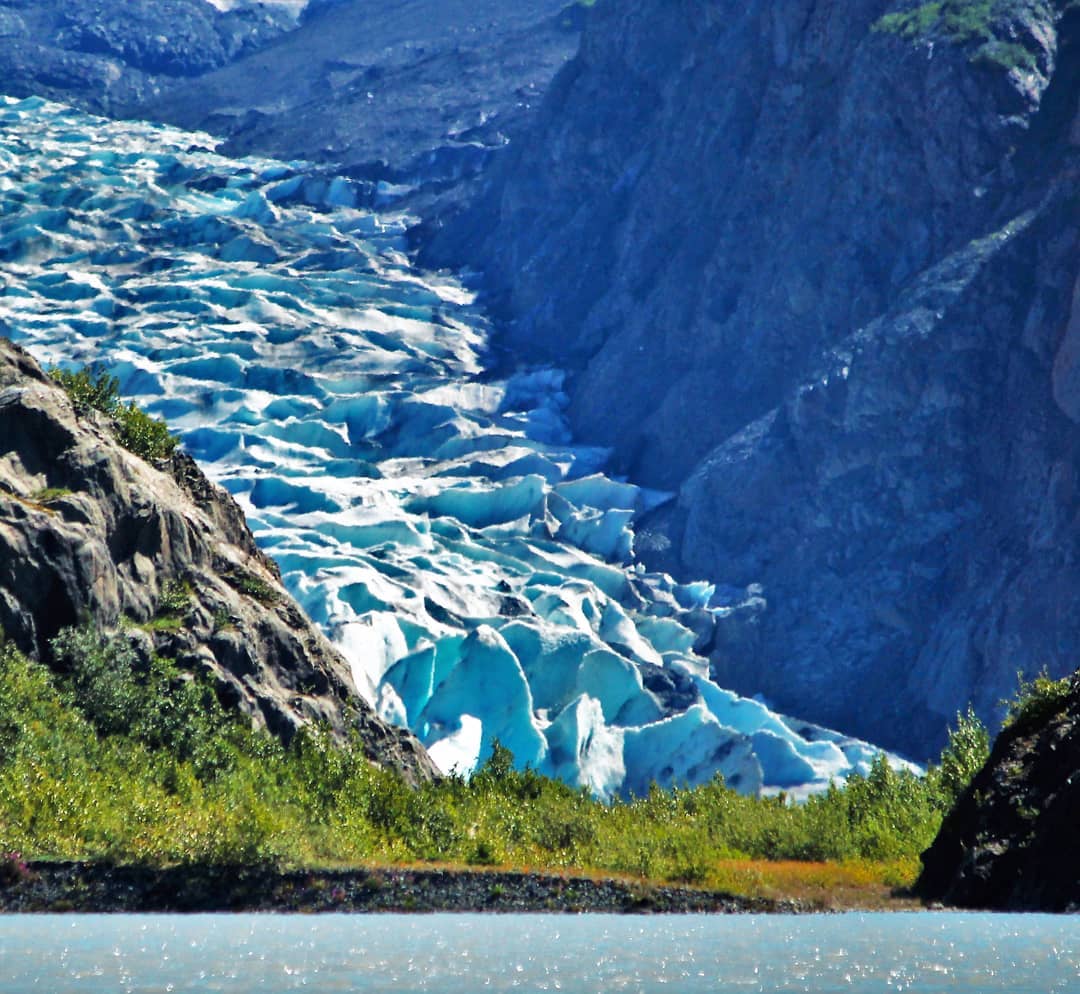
pixel 927 953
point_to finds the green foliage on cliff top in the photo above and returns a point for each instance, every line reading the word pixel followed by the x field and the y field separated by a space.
pixel 964 22
pixel 110 758
pixel 149 438
pixel 1038 700
pixel 958 21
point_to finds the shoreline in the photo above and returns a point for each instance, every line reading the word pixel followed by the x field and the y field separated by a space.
pixel 93 887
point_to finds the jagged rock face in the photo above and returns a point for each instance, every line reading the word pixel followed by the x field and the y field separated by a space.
pixel 1010 842
pixel 413 93
pixel 103 54
pixel 830 275
pixel 421 95
pixel 90 531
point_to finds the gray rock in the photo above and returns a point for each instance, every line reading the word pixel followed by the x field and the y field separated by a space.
pixel 89 531
pixel 105 55
pixel 423 93
pixel 828 275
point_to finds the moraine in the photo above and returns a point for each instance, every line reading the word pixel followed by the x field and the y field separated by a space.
pixel 473 564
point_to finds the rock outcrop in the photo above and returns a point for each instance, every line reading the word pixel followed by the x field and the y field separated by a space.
pixel 1010 842
pixel 829 272
pixel 419 93
pixel 105 55
pixel 91 532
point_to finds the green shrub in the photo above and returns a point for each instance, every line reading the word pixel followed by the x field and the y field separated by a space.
pixel 965 754
pixel 957 21
pixel 1004 55
pixel 961 22
pixel 100 674
pixel 175 599
pixel 137 761
pixel 1038 700
pixel 89 390
pixel 148 437
pixel 253 586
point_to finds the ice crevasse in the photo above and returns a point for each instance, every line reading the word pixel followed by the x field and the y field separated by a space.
pixel 473 563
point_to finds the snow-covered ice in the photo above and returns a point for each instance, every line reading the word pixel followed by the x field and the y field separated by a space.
pixel 474 565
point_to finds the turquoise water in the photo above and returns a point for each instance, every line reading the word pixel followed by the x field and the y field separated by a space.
pixel 455 954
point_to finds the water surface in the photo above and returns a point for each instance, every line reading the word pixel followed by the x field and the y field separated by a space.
pixel 456 954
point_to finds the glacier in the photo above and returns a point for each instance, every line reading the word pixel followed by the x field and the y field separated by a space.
pixel 474 564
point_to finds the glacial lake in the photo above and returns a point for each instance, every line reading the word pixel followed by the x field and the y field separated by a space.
pixel 462 954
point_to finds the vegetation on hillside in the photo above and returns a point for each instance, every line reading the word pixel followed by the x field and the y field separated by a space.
pixel 102 757
pixel 138 432
pixel 1037 700
pixel 976 23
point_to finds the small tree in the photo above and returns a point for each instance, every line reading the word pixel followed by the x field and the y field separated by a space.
pixel 964 755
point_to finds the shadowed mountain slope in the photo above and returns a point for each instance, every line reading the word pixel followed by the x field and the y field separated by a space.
pixel 817 272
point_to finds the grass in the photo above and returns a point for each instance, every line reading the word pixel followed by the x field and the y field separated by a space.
pixel 105 756
pixel 251 585
pixel 39 500
pixel 47 495
pixel 166 623
pixel 852 884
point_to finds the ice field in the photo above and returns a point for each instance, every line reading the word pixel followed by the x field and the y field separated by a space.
pixel 472 563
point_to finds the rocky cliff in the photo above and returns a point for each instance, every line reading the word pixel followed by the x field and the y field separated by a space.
pixel 814 268
pixel 409 92
pixel 91 532
pixel 1010 842
pixel 105 55
pixel 417 94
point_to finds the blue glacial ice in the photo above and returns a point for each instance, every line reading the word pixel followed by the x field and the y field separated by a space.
pixel 475 565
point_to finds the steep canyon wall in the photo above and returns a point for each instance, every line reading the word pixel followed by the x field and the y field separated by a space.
pixel 820 280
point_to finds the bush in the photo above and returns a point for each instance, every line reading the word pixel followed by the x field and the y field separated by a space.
pixel 89 390
pixel 957 21
pixel 1038 700
pixel 174 600
pixel 961 22
pixel 100 673
pixel 147 437
pixel 965 754
pixel 136 761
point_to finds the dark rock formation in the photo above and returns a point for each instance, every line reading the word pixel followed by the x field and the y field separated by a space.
pixel 1010 842
pixel 104 55
pixel 418 94
pixel 89 531
pixel 409 92
pixel 822 281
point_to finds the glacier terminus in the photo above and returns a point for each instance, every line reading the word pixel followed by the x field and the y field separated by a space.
pixel 474 564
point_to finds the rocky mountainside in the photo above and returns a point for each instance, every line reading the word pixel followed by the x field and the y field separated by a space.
pixel 1010 842
pixel 418 94
pixel 105 55
pixel 815 269
pixel 91 532
pixel 409 92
